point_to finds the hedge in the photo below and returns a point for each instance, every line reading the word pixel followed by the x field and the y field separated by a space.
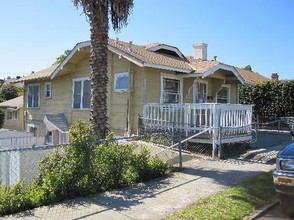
pixel 270 99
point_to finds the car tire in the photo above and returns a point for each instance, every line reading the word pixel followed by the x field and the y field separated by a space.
pixel 287 205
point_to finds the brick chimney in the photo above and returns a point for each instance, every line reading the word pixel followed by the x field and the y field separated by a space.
pixel 200 51
pixel 275 76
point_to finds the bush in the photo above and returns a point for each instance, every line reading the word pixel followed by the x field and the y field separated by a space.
pixel 2 117
pixel 82 168
pixel 272 98
pixel 13 199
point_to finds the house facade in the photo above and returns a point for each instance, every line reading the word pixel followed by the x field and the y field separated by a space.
pixel 59 96
pixel 13 109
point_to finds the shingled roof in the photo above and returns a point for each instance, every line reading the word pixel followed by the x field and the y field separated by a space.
pixel 148 56
pixel 251 77
pixel 42 74
pixel 13 103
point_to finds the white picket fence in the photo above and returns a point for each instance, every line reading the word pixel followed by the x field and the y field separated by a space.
pixel 22 141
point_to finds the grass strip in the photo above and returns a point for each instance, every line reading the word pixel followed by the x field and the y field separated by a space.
pixel 237 202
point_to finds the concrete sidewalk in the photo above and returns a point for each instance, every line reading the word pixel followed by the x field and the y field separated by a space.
pixel 158 198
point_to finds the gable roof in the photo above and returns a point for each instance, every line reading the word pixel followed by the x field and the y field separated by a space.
pixel 13 103
pixel 150 55
pixel 204 68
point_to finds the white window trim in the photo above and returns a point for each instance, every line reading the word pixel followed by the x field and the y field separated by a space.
pixel 27 95
pixel 195 87
pixel 14 112
pixel 82 79
pixel 116 75
pixel 228 86
pixel 45 90
pixel 170 76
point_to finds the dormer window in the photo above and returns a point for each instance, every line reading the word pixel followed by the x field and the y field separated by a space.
pixel 166 50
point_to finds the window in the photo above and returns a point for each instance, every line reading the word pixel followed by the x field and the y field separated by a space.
pixel 81 93
pixel 223 95
pixel 33 96
pixel 11 114
pixel 47 90
pixel 121 82
pixel 171 92
pixel 200 92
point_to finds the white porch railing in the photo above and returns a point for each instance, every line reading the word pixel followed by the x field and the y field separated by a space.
pixel 234 119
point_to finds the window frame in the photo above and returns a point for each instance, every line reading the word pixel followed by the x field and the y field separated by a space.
pixel 116 76
pixel 45 90
pixel 13 113
pixel 228 99
pixel 195 90
pixel 27 95
pixel 82 80
pixel 164 76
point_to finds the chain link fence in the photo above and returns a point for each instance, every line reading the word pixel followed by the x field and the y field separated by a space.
pixel 270 131
pixel 21 164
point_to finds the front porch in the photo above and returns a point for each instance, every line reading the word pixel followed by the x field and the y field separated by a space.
pixel 225 123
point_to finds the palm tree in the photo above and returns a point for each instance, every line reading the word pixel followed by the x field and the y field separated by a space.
pixel 97 12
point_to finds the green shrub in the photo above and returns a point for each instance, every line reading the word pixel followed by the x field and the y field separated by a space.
pixel 81 168
pixel 2 117
pixel 13 199
pixel 272 98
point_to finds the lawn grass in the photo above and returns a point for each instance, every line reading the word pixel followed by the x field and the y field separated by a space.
pixel 237 202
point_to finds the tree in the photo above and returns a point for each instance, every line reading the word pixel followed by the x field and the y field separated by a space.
pixel 97 12
pixel 248 67
pixel 62 57
pixel 9 91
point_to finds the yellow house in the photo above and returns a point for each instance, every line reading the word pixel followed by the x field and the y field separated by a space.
pixel 13 113
pixel 147 80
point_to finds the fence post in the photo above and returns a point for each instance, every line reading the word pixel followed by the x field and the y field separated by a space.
pixel 180 155
pixel 220 142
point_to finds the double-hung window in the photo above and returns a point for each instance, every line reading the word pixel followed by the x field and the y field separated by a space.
pixel 11 114
pixel 47 90
pixel 200 92
pixel 33 96
pixel 81 93
pixel 121 82
pixel 171 90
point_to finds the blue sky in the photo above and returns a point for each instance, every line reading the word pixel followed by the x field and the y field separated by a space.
pixel 33 33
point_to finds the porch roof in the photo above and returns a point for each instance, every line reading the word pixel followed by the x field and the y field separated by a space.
pixel 56 122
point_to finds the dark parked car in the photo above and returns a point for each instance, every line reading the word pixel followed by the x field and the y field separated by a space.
pixel 284 179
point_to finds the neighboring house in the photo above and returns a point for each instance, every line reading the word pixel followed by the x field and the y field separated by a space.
pixel 155 81
pixel 13 113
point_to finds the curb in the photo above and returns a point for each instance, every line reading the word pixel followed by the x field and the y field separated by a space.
pixel 264 209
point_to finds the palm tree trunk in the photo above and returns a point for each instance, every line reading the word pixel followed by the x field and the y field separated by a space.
pixel 98 64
